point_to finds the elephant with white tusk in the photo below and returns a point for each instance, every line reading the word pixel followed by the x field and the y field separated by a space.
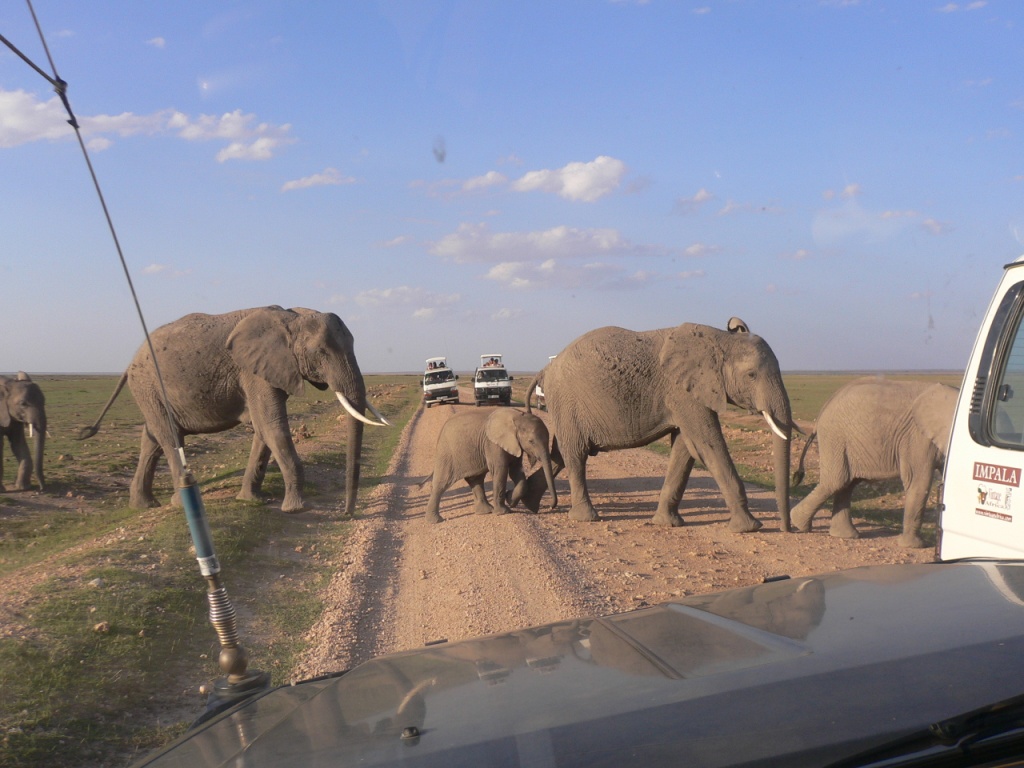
pixel 22 405
pixel 614 388
pixel 222 370
pixel 878 429
pixel 472 444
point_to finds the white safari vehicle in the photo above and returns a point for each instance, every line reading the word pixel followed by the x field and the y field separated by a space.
pixel 886 665
pixel 439 382
pixel 491 382
pixel 982 511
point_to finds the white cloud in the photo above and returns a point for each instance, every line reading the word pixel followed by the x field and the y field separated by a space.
pixel 163 269
pixel 24 119
pixel 831 227
pixel 424 303
pixel 954 7
pixel 569 275
pixel 698 250
pixel 691 204
pixel 584 182
pixel 327 177
pixel 489 179
pixel 692 274
pixel 476 243
pixel 395 242
pixel 935 227
pixel 157 42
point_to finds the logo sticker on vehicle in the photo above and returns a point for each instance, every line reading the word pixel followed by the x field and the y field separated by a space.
pixel 995 490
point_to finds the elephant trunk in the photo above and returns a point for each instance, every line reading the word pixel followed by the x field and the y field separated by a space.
pixel 549 476
pixel 39 445
pixel 354 449
pixel 780 454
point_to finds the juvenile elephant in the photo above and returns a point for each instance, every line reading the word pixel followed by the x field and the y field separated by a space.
pixel 472 444
pixel 878 429
pixel 222 370
pixel 613 388
pixel 22 403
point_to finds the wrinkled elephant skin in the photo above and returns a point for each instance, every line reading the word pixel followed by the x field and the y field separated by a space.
pixel 494 441
pixel 614 388
pixel 221 370
pixel 878 429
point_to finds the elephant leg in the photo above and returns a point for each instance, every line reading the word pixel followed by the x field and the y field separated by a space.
pixel 842 524
pixel 255 470
pixel 804 512
pixel 19 447
pixel 2 488
pixel 680 464
pixel 140 495
pixel 437 488
pixel 916 497
pixel 581 507
pixel 275 432
pixel 717 460
pixel 480 505
pixel 499 488
pixel 519 483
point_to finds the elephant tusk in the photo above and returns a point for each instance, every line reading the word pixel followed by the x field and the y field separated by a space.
pixel 355 414
pixel 377 413
pixel 775 427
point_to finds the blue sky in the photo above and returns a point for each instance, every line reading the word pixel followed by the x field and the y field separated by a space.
pixel 455 178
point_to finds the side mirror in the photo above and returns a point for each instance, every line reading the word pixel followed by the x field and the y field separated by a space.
pixel 511 378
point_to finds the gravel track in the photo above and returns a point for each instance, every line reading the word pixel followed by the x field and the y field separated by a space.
pixel 404 582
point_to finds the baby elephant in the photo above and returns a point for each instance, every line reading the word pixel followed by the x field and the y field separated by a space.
pixel 472 444
pixel 878 429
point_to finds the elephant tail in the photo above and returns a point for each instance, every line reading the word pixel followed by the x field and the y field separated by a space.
pixel 798 476
pixel 529 391
pixel 423 481
pixel 86 432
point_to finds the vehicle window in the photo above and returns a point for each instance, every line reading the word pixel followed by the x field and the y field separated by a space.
pixel 1007 416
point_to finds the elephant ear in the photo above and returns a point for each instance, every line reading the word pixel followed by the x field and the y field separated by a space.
pixel 693 361
pixel 5 412
pixel 501 430
pixel 261 345
pixel 932 412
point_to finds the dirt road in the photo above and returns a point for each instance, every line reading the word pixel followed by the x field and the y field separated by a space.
pixel 404 582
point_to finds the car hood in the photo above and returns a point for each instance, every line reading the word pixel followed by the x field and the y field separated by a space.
pixel 794 672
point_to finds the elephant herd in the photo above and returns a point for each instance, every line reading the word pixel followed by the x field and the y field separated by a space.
pixel 608 390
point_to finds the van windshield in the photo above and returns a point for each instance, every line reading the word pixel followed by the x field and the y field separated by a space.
pixel 437 377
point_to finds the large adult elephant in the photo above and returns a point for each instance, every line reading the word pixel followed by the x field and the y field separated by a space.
pixel 614 388
pixel 222 370
pixel 878 429
pixel 22 404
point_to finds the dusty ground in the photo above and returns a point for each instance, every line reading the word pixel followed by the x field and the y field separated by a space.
pixel 404 582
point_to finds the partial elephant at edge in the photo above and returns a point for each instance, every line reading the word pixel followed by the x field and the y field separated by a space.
pixel 23 407
pixel 878 429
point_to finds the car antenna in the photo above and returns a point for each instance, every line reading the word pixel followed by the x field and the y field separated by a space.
pixel 238 681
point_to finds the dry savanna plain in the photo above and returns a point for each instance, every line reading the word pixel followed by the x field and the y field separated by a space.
pixel 105 647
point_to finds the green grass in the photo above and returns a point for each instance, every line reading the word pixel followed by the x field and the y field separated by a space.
pixel 104 640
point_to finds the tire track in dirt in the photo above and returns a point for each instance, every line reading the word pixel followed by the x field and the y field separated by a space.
pixel 404 582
